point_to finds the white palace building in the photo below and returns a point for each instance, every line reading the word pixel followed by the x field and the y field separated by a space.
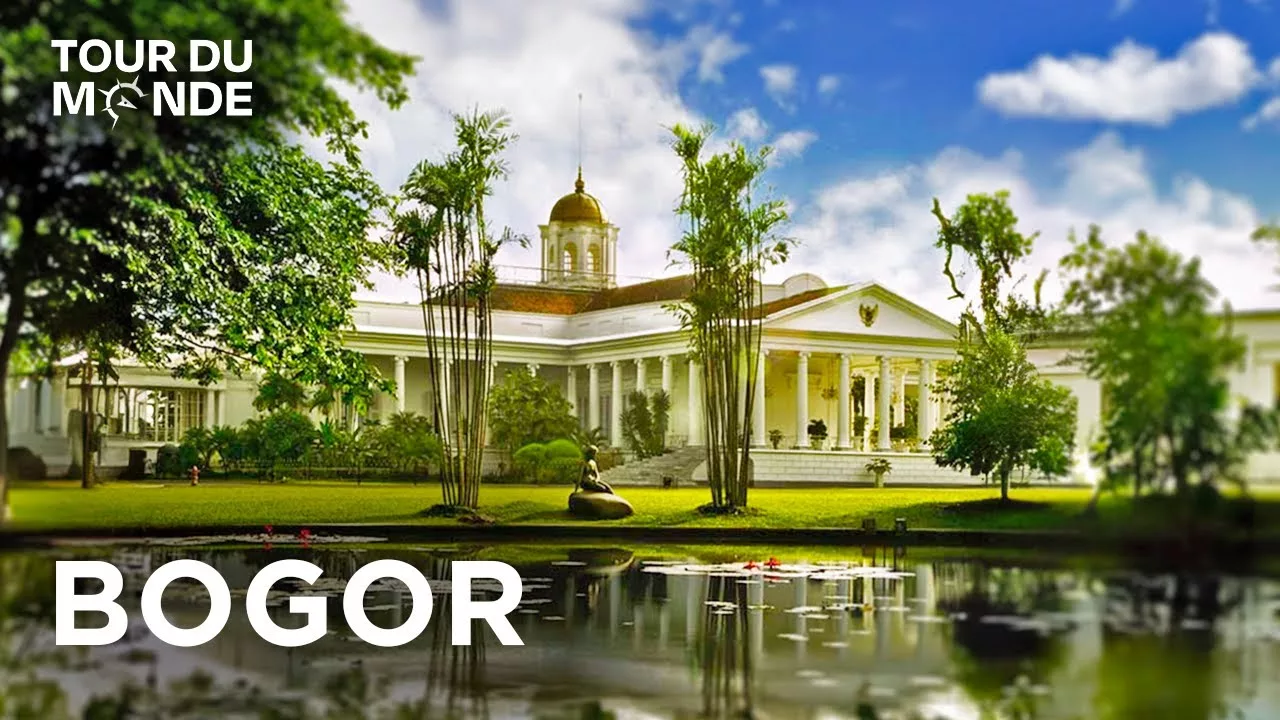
pixel 834 353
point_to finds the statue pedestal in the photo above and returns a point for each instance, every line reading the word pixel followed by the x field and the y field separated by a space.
pixel 599 506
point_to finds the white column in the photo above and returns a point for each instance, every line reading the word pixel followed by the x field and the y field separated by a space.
pixel 210 407
pixel 758 431
pixel 802 400
pixel 900 397
pixel 667 376
pixel 924 402
pixel 400 388
pixel 842 405
pixel 46 405
pixel 695 403
pixel 641 380
pixel 869 409
pixel 882 442
pixel 593 396
pixel 58 403
pixel 445 396
pixel 571 389
pixel 18 420
pixel 222 407
pixel 615 406
pixel 489 374
pixel 533 369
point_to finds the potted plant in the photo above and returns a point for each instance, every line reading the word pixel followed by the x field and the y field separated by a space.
pixel 859 425
pixel 817 434
pixel 775 438
pixel 879 467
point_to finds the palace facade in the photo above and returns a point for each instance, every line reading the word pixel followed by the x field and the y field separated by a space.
pixel 858 357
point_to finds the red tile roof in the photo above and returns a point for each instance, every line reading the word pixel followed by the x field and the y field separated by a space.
pixel 557 301
pixel 798 299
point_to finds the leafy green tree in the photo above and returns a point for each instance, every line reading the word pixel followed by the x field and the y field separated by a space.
pixel 445 243
pixel 644 423
pixel 278 391
pixel 410 442
pixel 1005 416
pixel 985 229
pixel 1153 333
pixel 282 437
pixel 730 239
pixel 204 244
pixel 525 409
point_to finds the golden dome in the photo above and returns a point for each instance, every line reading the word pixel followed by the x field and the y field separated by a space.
pixel 578 206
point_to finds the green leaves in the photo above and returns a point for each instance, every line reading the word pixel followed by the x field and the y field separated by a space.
pixel 1005 415
pixel 1153 337
pixel 525 409
pixel 729 240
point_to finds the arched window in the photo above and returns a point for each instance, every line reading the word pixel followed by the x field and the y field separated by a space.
pixel 569 261
pixel 593 259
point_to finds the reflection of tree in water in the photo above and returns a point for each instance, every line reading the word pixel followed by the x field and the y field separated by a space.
pixel 1002 644
pixel 723 650
pixel 26 597
pixel 1160 656
pixel 456 674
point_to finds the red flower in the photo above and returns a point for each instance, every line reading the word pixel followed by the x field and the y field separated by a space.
pixel 751 565
pixel 304 534
pixel 266 546
pixel 773 563
pixel 268 528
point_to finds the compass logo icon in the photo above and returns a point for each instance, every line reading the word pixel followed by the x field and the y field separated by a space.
pixel 116 99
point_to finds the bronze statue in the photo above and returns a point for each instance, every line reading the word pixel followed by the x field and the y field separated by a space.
pixel 590 480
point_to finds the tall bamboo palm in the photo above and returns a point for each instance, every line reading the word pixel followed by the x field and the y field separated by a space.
pixel 729 241
pixel 448 247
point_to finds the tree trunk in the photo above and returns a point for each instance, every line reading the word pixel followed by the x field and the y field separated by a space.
pixel 5 512
pixel 1004 483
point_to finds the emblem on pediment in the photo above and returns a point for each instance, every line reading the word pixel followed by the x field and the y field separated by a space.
pixel 868 313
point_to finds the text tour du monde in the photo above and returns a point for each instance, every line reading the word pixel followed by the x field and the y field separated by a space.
pixel 465 607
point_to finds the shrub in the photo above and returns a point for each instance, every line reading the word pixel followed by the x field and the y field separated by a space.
pixel 169 462
pixel 817 428
pixel 644 423
pixel 528 461
pixel 556 462
pixel 26 465
pixel 563 462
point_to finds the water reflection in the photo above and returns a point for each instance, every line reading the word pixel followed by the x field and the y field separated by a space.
pixel 609 633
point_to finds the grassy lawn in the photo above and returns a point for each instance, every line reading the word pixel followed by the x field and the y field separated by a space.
pixel 152 505
pixel 140 505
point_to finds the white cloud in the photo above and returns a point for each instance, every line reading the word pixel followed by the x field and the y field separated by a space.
pixel 1134 84
pixel 715 50
pixel 792 144
pixel 1121 7
pixel 1274 72
pixel 779 81
pixel 878 226
pixel 533 65
pixel 828 84
pixel 746 124
pixel 1268 114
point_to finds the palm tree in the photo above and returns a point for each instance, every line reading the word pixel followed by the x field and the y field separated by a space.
pixel 446 245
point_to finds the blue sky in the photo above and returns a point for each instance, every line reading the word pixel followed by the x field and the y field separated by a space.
pixel 908 75
pixel 1163 116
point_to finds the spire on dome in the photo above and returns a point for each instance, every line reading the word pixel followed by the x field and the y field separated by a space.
pixel 578 185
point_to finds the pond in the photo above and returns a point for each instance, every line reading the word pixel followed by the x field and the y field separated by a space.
pixel 674 633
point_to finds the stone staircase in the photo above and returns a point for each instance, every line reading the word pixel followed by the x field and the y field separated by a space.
pixel 679 464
